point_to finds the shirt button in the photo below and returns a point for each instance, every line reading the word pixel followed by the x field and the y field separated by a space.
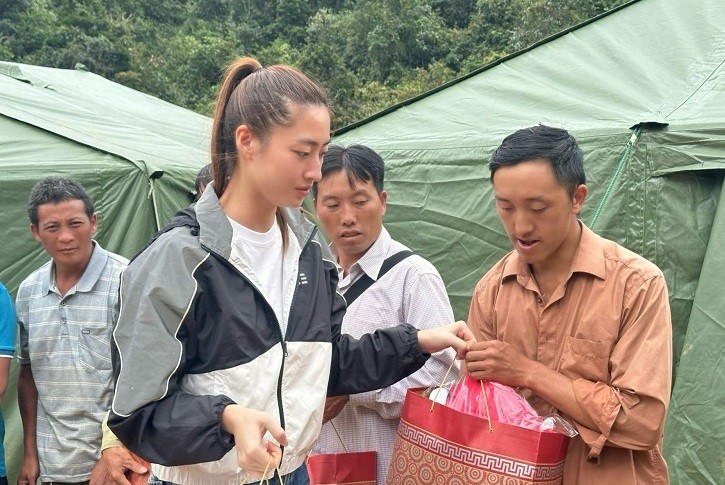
pixel 539 300
pixel 62 303
pixel 64 320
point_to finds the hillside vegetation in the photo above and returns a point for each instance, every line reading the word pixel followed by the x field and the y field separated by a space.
pixel 369 54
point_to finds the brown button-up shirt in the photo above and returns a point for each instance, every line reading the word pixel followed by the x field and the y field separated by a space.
pixel 608 328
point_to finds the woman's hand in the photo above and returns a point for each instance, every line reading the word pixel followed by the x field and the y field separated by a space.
pixel 249 427
pixel 456 335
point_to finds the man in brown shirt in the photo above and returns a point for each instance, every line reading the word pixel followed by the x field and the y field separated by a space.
pixel 580 324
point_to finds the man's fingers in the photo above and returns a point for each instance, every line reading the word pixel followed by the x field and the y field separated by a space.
pixel 138 464
pixel 136 468
pixel 122 479
pixel 476 367
pixel 475 356
pixel 26 479
pixel 476 346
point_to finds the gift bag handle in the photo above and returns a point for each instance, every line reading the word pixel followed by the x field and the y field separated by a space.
pixel 264 474
pixel 338 436
pixel 483 397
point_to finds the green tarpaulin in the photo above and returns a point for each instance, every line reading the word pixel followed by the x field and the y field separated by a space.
pixel 136 155
pixel 643 90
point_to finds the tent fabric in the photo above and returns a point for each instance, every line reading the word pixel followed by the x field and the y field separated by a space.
pixel 136 155
pixel 643 90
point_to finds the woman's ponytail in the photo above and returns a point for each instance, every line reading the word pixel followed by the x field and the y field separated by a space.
pixel 262 99
pixel 223 150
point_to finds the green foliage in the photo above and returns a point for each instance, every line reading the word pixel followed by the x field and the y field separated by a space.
pixel 369 54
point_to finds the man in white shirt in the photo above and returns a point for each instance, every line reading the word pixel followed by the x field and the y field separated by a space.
pixel 350 202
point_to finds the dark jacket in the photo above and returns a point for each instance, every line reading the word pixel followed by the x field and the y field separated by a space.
pixel 195 334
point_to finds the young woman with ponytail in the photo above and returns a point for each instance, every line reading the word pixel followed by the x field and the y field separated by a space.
pixel 228 336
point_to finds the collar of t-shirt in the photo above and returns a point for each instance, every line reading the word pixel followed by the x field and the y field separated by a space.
pixel 261 252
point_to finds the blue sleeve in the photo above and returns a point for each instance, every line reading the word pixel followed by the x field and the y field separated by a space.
pixel 7 323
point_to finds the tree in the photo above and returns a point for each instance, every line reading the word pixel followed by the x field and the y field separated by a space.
pixel 369 54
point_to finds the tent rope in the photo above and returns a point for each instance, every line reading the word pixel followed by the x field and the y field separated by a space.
pixel 152 195
pixel 620 166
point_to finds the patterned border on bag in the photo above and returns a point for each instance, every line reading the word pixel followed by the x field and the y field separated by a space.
pixel 349 483
pixel 479 459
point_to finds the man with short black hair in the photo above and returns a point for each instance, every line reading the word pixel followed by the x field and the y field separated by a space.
pixel 577 322
pixel 350 201
pixel 66 310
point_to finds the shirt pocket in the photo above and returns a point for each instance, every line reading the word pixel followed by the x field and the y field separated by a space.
pixel 94 348
pixel 585 359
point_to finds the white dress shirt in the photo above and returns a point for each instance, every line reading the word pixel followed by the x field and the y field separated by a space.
pixel 411 292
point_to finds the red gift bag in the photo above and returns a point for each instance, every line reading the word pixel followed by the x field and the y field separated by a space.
pixel 443 445
pixel 357 468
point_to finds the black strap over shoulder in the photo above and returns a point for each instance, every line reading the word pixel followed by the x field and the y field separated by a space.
pixel 364 282
pixel 184 217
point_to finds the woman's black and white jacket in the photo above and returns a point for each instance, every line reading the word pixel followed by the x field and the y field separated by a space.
pixel 195 334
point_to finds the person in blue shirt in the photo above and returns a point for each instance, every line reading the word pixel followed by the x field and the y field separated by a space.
pixel 7 347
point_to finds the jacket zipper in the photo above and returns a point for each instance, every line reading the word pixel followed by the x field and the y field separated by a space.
pixel 272 315
pixel 284 344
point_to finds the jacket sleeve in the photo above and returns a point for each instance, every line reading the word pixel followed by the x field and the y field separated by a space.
pixel 153 339
pixel 375 360
pixel 424 305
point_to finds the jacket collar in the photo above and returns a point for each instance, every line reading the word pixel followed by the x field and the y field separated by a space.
pixel 215 231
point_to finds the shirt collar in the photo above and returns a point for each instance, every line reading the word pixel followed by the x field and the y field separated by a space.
pixel 370 262
pixel 588 258
pixel 99 258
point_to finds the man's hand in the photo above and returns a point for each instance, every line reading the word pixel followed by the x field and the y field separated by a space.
pixel 456 335
pixel 498 361
pixel 333 407
pixel 29 472
pixel 118 466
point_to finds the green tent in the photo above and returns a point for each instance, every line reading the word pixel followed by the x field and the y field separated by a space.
pixel 643 90
pixel 136 155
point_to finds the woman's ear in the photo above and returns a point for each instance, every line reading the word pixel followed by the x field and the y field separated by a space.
pixel 244 140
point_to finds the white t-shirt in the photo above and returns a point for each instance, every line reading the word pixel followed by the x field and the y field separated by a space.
pixel 262 252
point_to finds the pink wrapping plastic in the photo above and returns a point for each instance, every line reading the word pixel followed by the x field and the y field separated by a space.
pixel 505 405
